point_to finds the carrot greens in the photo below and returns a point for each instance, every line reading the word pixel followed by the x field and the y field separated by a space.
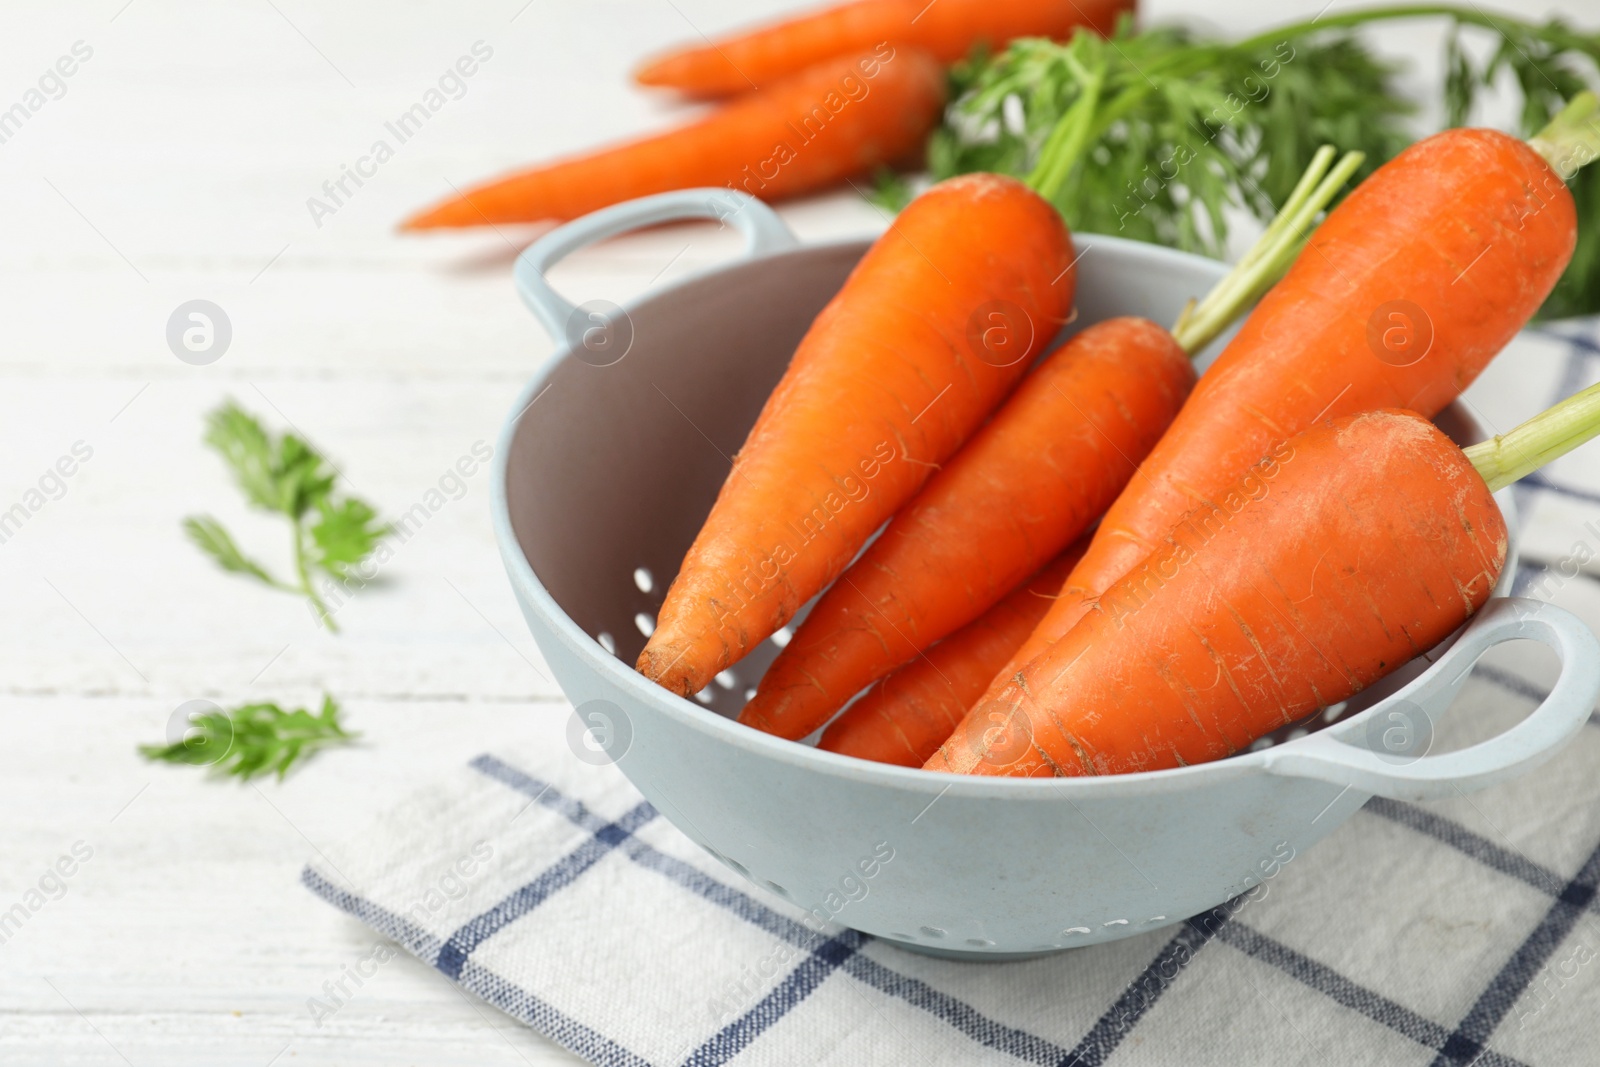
pixel 1160 134
pixel 1155 135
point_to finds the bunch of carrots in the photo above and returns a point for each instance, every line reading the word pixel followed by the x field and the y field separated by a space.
pixel 799 106
pixel 1092 561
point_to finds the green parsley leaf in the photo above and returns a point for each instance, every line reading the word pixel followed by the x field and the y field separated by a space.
pixel 302 481
pixel 254 739
pixel 345 534
pixel 248 452
pixel 213 539
pixel 286 475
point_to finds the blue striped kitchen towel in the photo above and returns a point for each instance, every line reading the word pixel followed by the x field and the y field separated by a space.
pixel 1462 932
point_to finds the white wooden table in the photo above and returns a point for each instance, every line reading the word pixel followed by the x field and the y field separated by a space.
pixel 176 164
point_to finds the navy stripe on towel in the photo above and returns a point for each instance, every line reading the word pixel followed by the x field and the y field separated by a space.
pixel 956 1013
pixel 1538 480
pixel 1522 968
pixel 494 990
pixel 417 940
pixel 1142 993
pixel 1464 840
pixel 475 931
pixel 799 984
pixel 1344 991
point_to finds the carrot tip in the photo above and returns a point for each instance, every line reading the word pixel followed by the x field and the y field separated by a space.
pixel 649 74
pixel 422 220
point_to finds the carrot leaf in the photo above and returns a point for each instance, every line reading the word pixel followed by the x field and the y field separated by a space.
pixel 890 190
pixel 1161 135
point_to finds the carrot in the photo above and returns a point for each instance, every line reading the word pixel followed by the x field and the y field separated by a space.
pixel 1027 484
pixel 1240 623
pixel 825 124
pixel 906 716
pixel 1449 247
pixel 883 388
pixel 947 29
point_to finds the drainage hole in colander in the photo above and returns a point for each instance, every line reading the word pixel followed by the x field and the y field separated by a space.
pixel 727 679
pixel 1260 743
pixel 1074 931
pixel 749 694
pixel 645 622
pixel 607 642
pixel 1115 922
pixel 776 888
pixel 901 937
pixel 782 637
pixel 979 942
pixel 1297 733
pixel 705 696
pixel 1333 711
pixel 1154 919
pixel 643 579
pixel 736 865
pixel 932 931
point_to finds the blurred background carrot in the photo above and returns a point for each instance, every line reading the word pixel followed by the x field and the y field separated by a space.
pixel 1156 133
pixel 827 123
pixel 947 30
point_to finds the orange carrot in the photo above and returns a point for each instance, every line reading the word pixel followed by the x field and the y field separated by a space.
pixel 825 124
pixel 1030 481
pixel 1347 551
pixel 947 29
pixel 1027 484
pixel 1408 289
pixel 906 716
pixel 883 388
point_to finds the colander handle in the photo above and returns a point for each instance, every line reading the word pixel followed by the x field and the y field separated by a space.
pixel 764 233
pixel 1343 753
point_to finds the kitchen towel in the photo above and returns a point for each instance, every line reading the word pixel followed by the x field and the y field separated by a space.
pixel 1456 932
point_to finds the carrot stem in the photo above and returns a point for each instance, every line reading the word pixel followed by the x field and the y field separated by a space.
pixel 1467 15
pixel 1315 171
pixel 1572 139
pixel 1547 436
pixel 1271 256
pixel 1066 142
